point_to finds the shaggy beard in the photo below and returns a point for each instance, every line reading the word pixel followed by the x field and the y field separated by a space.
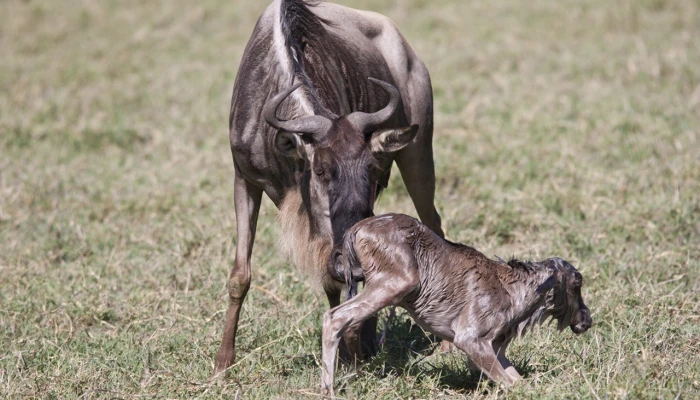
pixel 309 252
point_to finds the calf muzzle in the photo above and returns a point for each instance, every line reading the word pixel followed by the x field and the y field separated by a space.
pixel 582 322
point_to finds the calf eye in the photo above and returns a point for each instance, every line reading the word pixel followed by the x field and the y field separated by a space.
pixel 318 171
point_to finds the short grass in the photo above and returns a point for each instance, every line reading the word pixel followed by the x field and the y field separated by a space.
pixel 567 128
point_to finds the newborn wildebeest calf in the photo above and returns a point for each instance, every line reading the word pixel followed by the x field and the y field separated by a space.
pixel 449 289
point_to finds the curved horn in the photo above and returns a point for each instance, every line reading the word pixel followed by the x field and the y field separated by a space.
pixel 369 122
pixel 313 125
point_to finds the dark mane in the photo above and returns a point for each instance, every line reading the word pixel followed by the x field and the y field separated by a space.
pixel 332 70
pixel 299 27
pixel 526 266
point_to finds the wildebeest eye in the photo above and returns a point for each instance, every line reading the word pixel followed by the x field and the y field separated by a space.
pixel 578 280
pixel 318 170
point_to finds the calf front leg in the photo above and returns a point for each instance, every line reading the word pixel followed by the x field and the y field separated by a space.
pixel 247 200
pixel 500 350
pixel 356 344
pixel 368 337
pixel 481 354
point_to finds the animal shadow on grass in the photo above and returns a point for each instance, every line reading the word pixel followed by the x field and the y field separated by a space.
pixel 407 351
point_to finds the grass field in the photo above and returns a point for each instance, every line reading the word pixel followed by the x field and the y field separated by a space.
pixel 568 128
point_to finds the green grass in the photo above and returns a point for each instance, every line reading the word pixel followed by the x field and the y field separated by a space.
pixel 568 128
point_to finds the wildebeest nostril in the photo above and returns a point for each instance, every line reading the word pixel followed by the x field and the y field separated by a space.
pixel 587 317
pixel 585 324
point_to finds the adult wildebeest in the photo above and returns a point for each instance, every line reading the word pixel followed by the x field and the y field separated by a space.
pixel 326 98
pixel 449 289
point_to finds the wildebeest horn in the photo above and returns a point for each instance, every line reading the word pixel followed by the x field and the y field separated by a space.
pixel 370 122
pixel 313 125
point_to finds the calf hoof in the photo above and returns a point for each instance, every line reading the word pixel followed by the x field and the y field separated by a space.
pixel 513 374
pixel 327 393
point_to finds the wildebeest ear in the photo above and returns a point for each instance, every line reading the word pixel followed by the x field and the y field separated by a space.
pixel 548 284
pixel 391 140
pixel 291 145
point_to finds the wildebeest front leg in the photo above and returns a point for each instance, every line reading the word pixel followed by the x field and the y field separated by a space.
pixel 247 200
pixel 368 337
pixel 482 355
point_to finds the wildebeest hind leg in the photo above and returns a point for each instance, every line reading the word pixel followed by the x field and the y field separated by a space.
pixel 418 173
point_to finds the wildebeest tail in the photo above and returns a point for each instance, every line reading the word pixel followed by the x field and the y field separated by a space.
pixel 353 268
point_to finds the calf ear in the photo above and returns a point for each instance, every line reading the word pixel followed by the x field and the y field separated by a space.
pixel 391 140
pixel 291 145
pixel 548 284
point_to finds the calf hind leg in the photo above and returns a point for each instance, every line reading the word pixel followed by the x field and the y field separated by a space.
pixel 349 316
pixel 333 294
pixel 367 333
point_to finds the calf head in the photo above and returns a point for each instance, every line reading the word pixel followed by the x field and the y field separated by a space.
pixel 563 295
pixel 340 156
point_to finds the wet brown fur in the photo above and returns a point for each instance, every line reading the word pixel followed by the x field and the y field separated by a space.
pixel 451 290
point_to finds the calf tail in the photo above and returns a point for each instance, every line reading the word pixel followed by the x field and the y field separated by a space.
pixel 353 268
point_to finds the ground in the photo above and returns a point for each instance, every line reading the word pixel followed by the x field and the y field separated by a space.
pixel 563 128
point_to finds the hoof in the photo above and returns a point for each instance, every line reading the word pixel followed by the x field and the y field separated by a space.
pixel 327 393
pixel 218 373
pixel 221 364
